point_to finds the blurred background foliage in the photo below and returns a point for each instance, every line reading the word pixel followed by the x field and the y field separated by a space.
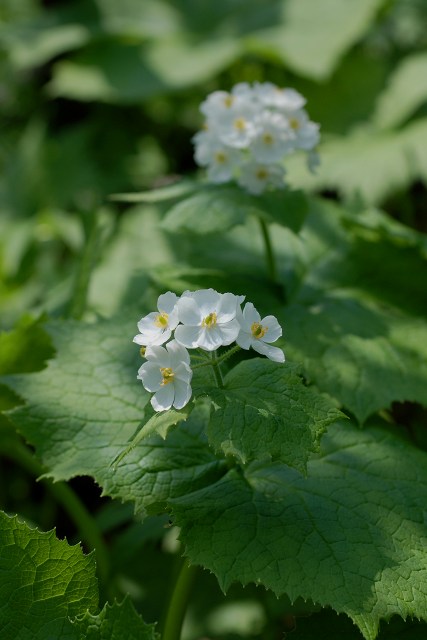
pixel 100 96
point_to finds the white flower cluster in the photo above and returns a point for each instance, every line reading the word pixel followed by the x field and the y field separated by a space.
pixel 248 133
pixel 203 319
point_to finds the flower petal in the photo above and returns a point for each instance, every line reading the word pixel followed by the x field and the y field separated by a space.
pixel 250 315
pixel 228 331
pixel 151 376
pixel 163 399
pixel 188 336
pixel 244 339
pixel 207 301
pixel 227 307
pixel 158 355
pixel 182 394
pixel 167 302
pixel 188 311
pixel 178 354
pixel 274 329
pixel 274 353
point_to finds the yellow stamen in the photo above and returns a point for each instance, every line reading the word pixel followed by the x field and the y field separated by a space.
pixel 209 321
pixel 228 101
pixel 258 331
pixel 295 124
pixel 240 124
pixel 267 138
pixel 161 320
pixel 142 351
pixel 168 375
pixel 220 157
pixel 262 174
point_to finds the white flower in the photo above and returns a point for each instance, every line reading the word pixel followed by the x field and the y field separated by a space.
pixel 257 333
pixel 156 328
pixel 208 319
pixel 306 133
pixel 167 374
pixel 256 177
pixel 274 138
pixel 249 126
pixel 286 100
pixel 217 157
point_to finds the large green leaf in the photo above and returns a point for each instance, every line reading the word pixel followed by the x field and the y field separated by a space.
pixel 364 357
pixel 407 90
pixel 314 35
pixel 114 622
pixel 43 583
pixel 49 590
pixel 265 411
pixel 84 409
pixel 217 209
pixel 350 535
pixel 369 163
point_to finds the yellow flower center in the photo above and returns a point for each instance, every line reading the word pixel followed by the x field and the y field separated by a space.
pixel 228 101
pixel 209 321
pixel 295 124
pixel 142 351
pixel 258 331
pixel 262 174
pixel 220 157
pixel 162 320
pixel 267 138
pixel 168 375
pixel 240 124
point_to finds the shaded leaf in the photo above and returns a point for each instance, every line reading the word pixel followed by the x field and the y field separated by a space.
pixel 350 535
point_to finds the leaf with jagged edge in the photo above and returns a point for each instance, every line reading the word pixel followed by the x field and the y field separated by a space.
pixel 265 411
pixel 351 535
pixel 115 622
pixel 84 409
pixel 43 583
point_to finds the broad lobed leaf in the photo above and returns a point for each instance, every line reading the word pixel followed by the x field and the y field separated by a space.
pixel 265 411
pixel 43 583
pixel 350 535
pixel 49 590
pixel 85 408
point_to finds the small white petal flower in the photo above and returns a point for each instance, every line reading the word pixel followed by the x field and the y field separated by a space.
pixel 156 328
pixel 270 95
pixel 306 133
pixel 258 334
pixel 208 319
pixel 274 138
pixel 167 374
pixel 256 177
pixel 219 159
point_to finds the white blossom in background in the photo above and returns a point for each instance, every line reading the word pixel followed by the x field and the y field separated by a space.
pixel 167 374
pixel 156 328
pixel 208 319
pixel 256 177
pixel 258 334
pixel 259 124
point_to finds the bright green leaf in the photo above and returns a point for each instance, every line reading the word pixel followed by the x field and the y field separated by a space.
pixel 350 535
pixel 266 411
pixel 85 408
pixel 406 91
pixel 217 209
pixel 43 583
pixel 115 622
pixel 314 35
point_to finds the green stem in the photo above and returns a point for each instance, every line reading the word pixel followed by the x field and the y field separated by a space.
pixel 269 254
pixel 178 602
pixel 75 509
pixel 84 269
pixel 217 372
